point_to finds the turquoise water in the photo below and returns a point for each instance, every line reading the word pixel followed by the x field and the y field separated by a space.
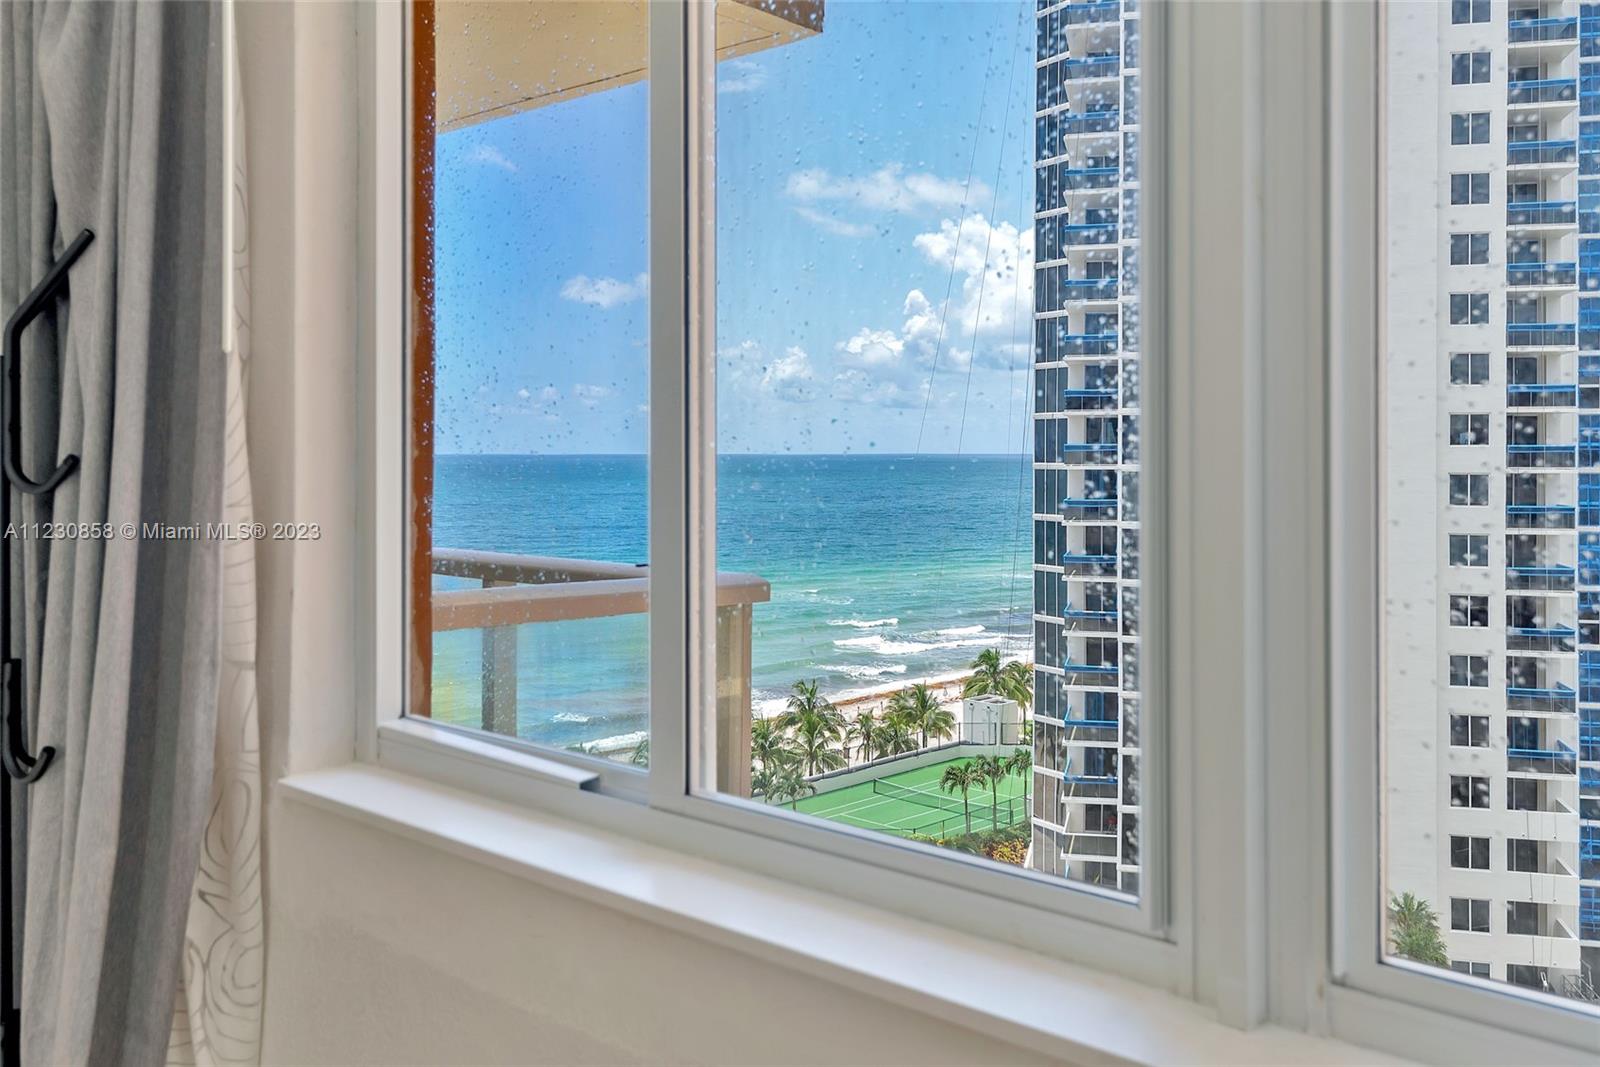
pixel 883 569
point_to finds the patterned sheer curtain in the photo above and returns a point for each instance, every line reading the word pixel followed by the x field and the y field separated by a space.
pixel 217 1018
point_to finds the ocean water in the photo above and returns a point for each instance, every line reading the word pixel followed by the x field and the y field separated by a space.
pixel 883 569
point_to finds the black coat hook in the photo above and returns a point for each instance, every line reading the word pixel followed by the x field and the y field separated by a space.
pixel 27 311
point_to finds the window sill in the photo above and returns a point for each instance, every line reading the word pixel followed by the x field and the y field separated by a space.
pixel 1055 1008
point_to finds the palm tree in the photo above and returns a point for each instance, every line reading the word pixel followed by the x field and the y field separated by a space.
pixel 770 748
pixel 960 777
pixel 993 771
pixel 1020 761
pixel 1414 931
pixel 641 753
pixel 988 675
pixel 896 734
pixel 864 730
pixel 818 728
pixel 787 786
pixel 924 713
pixel 1018 683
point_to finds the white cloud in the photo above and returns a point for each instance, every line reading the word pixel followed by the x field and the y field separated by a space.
pixel 549 394
pixel 523 394
pixel 872 348
pixel 604 292
pixel 790 376
pixel 741 76
pixel 888 188
pixel 823 221
pixel 490 156
pixel 589 395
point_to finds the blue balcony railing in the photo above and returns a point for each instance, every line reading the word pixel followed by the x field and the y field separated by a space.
pixel 1088 399
pixel 1542 91
pixel 1529 274
pixel 1541 639
pixel 1083 14
pixel 1541 395
pixel 1541 455
pixel 1541 334
pixel 1538 31
pixel 1559 760
pixel 1090 289
pixel 1100 616
pixel 1107 121
pixel 1542 213
pixel 1089 503
pixel 1083 452
pixel 1091 67
pixel 1541 579
pixel 1101 670
pixel 1532 698
pixel 1531 153
pixel 1090 621
pixel 1098 786
pixel 1541 516
pixel 1089 233
pixel 1087 344
pixel 1089 177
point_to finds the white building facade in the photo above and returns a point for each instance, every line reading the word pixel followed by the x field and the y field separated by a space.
pixel 1491 532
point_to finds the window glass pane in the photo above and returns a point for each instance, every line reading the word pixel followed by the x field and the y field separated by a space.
pixel 529 209
pixel 928 440
pixel 1487 786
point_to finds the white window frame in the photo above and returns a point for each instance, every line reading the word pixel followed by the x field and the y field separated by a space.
pixel 1253 820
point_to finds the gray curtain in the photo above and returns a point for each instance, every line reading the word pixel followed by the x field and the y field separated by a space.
pixel 110 119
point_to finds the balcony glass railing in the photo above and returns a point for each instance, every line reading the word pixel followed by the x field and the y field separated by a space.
pixel 1538 31
pixel 1091 67
pixel 1090 289
pixel 1541 395
pixel 1089 122
pixel 1094 786
pixel 1529 274
pixel 1089 177
pixel 1091 670
pixel 1081 452
pixel 1090 504
pixel 1087 344
pixel 1541 639
pixel 1558 698
pixel 1542 213
pixel 1541 455
pixel 1533 153
pixel 1083 14
pixel 1541 334
pixel 1543 91
pixel 1089 233
pixel 1088 399
pixel 1541 516
pixel 1560 760
pixel 1541 579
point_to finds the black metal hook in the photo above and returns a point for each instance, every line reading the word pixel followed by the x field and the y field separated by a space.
pixel 13 746
pixel 27 311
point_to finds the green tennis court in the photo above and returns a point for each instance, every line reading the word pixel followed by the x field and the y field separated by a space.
pixel 911 803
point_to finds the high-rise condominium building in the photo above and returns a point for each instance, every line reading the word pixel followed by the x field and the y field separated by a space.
pixel 1086 441
pixel 1491 374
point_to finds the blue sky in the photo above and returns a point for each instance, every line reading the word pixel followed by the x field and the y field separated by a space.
pixel 843 183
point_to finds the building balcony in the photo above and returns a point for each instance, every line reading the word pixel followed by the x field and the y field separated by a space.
pixel 1541 395
pixel 1103 675
pixel 1100 11
pixel 1090 509
pixel 1075 178
pixel 1541 639
pixel 1107 121
pixel 1541 334
pixel 1088 234
pixel 1090 565
pixel 1084 454
pixel 1088 399
pixel 1556 699
pixel 1543 91
pixel 1089 786
pixel 1541 275
pixel 1543 31
pixel 1541 153
pixel 1089 846
pixel 1542 213
pixel 1541 456
pixel 1090 621
pixel 1090 289
pixel 1541 579
pixel 1087 344
pixel 1090 67
pixel 1560 760
pixel 1541 516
